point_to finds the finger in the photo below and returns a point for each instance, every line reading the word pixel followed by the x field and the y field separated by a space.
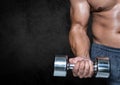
pixel 74 60
pixel 81 69
pixel 87 69
pixel 76 69
pixel 91 72
pixel 71 60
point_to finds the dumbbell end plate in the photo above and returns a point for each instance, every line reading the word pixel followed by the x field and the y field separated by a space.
pixel 59 74
pixel 60 66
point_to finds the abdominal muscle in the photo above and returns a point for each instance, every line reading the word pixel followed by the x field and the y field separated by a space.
pixel 106 28
pixel 107 39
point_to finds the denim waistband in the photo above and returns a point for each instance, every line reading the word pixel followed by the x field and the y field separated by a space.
pixel 103 47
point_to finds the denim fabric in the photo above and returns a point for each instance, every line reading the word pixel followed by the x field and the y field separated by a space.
pixel 98 50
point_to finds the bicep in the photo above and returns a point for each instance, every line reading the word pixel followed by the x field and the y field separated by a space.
pixel 79 12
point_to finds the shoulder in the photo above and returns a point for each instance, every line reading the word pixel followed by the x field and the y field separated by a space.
pixel 78 2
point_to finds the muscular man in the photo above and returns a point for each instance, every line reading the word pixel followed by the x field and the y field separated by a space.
pixel 106 36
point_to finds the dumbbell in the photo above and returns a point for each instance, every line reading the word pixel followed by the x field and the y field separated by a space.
pixel 101 66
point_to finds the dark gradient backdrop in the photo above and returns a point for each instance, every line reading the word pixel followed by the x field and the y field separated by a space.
pixel 32 32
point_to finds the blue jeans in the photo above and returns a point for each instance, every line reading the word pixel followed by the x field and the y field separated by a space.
pixel 98 50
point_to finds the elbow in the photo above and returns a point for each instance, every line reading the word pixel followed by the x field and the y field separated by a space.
pixel 78 27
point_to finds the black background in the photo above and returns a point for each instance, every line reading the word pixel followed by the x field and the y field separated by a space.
pixel 32 32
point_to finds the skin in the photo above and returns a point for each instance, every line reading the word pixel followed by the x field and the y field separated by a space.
pixel 105 30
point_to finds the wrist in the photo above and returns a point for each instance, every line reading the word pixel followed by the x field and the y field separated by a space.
pixel 83 55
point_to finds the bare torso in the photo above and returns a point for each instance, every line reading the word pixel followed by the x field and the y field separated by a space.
pixel 105 30
pixel 106 22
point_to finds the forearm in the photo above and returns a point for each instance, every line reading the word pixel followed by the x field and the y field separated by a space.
pixel 79 41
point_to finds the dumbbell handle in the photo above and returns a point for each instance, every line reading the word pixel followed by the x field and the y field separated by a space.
pixel 70 66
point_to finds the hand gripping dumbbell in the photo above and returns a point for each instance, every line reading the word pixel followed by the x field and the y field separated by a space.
pixel 101 66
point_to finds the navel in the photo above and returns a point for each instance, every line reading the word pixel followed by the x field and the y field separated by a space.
pixel 99 9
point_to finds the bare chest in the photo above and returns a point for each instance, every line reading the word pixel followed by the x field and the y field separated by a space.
pixel 99 5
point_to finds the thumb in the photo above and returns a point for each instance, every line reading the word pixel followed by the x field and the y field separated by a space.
pixel 71 60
